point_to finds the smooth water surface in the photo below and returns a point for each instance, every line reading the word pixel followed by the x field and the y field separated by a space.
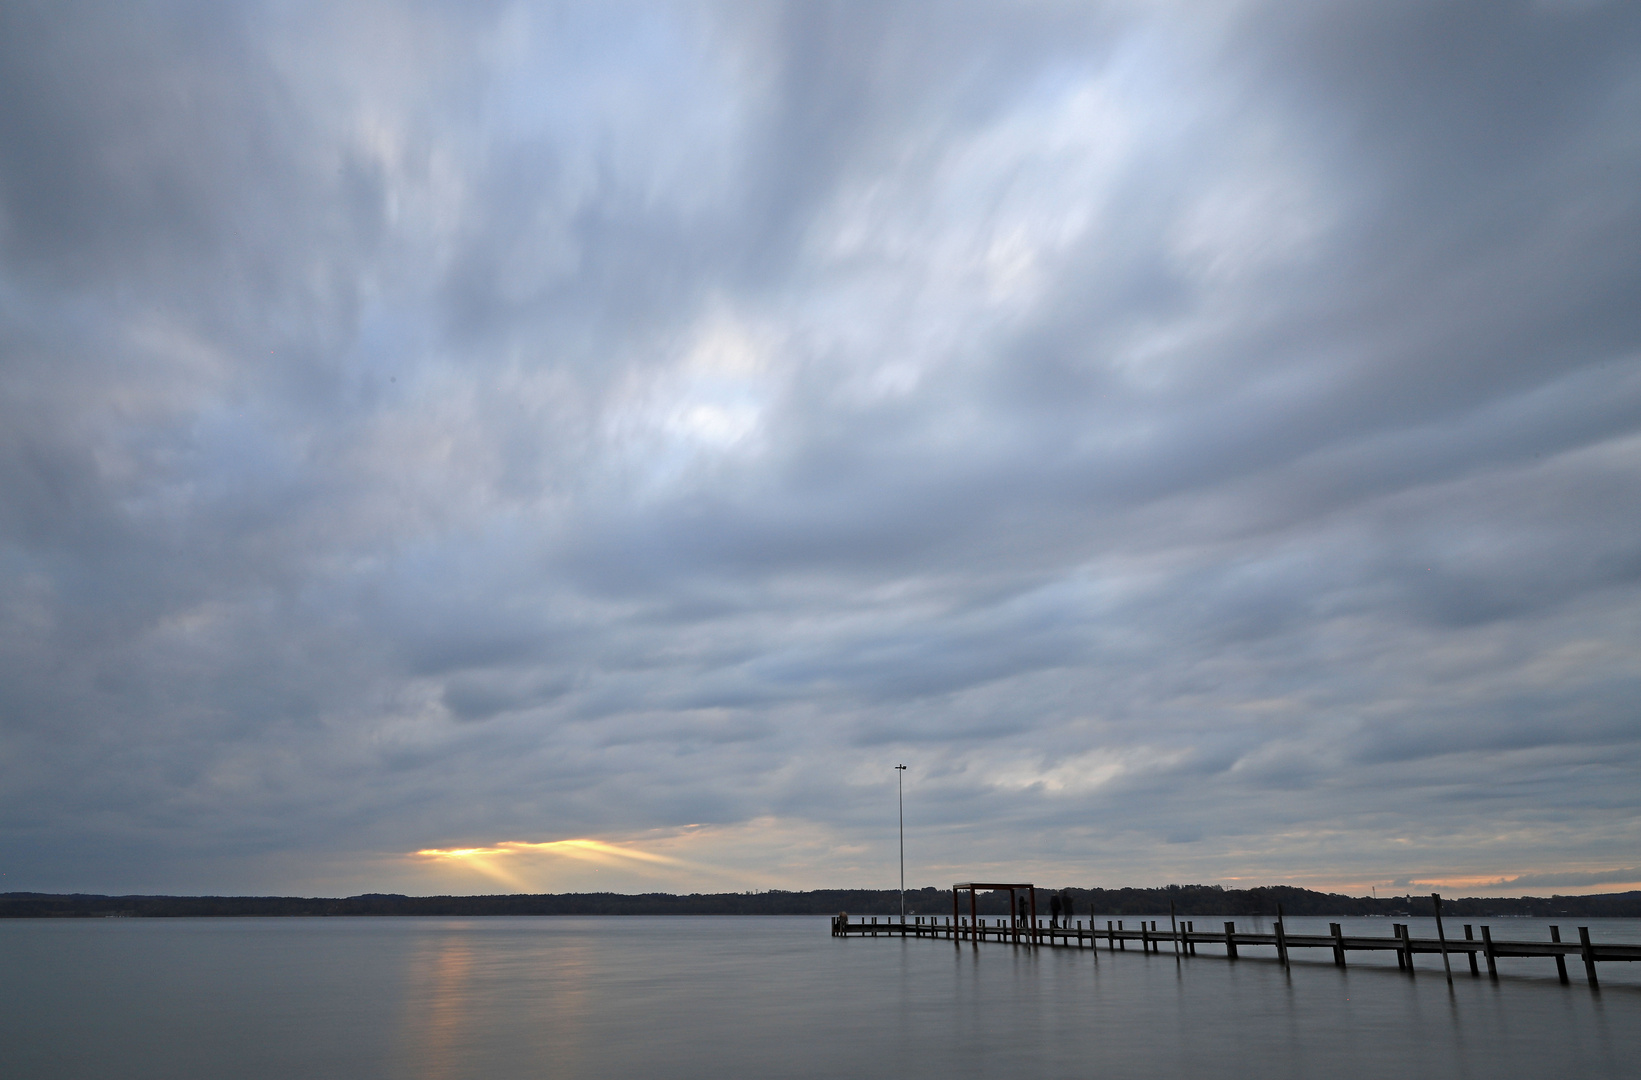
pixel 499 998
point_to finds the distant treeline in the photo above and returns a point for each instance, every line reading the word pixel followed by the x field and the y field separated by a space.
pixel 1187 900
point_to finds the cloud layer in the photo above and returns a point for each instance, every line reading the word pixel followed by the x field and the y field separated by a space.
pixel 1203 444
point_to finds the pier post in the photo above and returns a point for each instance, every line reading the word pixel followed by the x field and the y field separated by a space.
pixel 1471 953
pixel 1588 952
pixel 1436 899
pixel 1281 938
pixel 1173 926
pixel 1404 951
pixel 1338 944
pixel 1230 941
pixel 1122 943
pixel 1487 951
pixel 1561 961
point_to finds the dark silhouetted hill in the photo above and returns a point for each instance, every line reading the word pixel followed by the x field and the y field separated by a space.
pixel 1187 900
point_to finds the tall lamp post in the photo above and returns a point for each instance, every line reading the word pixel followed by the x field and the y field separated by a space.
pixel 900 780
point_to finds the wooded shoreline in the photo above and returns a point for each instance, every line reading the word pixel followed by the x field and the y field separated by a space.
pixel 1186 900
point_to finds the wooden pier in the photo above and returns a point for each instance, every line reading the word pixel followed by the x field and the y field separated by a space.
pixel 1182 939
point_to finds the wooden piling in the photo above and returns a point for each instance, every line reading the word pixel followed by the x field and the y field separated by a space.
pixel 1436 899
pixel 1230 941
pixel 1338 944
pixel 1281 938
pixel 1588 952
pixel 1561 961
pixel 1471 953
pixel 1487 950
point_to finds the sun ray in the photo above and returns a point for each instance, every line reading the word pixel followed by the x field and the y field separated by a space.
pixel 490 859
pixel 596 850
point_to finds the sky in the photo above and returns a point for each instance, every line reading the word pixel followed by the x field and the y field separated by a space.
pixel 476 447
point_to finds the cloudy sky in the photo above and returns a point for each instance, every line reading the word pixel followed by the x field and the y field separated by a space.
pixel 1202 441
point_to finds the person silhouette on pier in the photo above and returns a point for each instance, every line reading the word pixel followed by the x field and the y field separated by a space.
pixel 1054 911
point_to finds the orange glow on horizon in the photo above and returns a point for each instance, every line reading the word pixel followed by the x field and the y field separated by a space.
pixel 1450 885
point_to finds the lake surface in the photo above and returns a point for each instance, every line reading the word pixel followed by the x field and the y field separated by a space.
pixel 499 998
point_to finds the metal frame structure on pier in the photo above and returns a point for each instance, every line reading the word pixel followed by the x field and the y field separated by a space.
pixel 997 886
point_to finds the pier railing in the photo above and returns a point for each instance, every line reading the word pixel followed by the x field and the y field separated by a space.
pixel 1183 940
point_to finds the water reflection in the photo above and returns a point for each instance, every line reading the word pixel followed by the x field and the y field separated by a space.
pixel 441 1002
pixel 594 998
pixel 482 993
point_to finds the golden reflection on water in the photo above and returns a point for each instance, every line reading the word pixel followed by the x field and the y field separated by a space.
pixel 462 1002
pixel 440 1002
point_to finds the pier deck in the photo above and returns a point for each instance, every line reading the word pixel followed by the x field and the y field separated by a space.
pixel 1185 940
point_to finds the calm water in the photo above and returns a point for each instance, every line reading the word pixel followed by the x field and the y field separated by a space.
pixel 714 997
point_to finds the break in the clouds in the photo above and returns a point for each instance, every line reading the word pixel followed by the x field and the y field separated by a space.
pixel 1203 442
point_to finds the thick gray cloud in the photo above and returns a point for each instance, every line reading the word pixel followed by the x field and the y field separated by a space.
pixel 1203 443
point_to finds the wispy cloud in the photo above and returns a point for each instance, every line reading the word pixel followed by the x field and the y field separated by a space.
pixel 1192 453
